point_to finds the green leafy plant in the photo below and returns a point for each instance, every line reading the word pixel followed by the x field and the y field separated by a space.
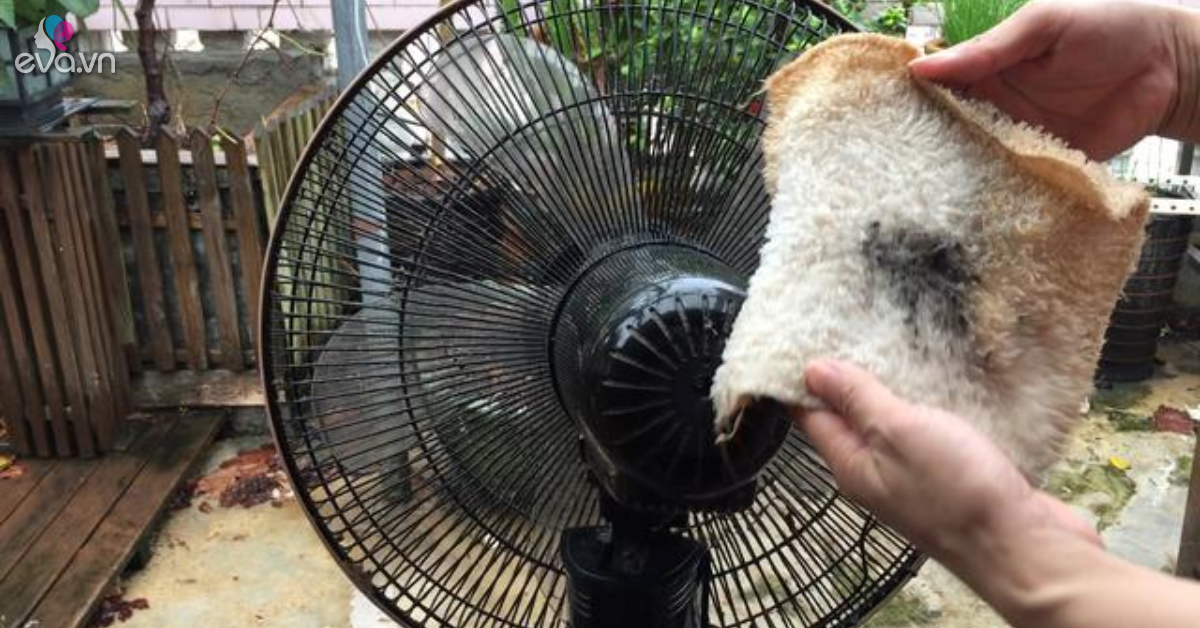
pixel 893 20
pixel 964 19
pixel 22 13
pixel 658 44
pixel 665 36
pixel 851 10
pixel 680 74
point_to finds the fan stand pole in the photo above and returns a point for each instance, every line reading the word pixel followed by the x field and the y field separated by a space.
pixel 369 219
pixel 437 145
pixel 635 572
pixel 350 35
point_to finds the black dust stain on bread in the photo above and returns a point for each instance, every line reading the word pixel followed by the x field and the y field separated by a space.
pixel 927 274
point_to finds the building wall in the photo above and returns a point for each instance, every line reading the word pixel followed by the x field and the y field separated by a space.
pixel 244 15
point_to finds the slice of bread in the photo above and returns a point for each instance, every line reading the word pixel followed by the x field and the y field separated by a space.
pixel 968 261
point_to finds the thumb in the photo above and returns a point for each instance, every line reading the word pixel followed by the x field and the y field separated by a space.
pixel 1027 34
pixel 837 442
pixel 852 393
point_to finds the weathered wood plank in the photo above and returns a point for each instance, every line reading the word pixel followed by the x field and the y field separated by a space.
pixel 59 363
pixel 114 374
pixel 32 413
pixel 13 491
pixel 39 568
pixel 27 523
pixel 25 338
pixel 209 389
pixel 245 213
pixel 279 142
pixel 149 272
pixel 195 222
pixel 12 400
pixel 183 261
pixel 103 341
pixel 266 169
pixel 220 272
pixel 297 132
pixel 94 404
pixel 267 149
pixel 12 404
pixel 92 570
pixel 214 355
pixel 279 165
pixel 108 240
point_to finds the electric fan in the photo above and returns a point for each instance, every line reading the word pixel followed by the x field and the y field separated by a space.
pixel 496 294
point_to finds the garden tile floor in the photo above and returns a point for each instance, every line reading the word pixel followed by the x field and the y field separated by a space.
pixel 264 566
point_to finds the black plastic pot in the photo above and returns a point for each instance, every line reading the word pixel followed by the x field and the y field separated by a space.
pixel 1137 321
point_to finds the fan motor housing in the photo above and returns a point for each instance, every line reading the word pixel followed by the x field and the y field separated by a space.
pixel 635 345
pixel 498 286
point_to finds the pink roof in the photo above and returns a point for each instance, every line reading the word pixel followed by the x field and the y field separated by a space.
pixel 239 15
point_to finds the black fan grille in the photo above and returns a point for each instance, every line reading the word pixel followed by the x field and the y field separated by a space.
pixel 437 219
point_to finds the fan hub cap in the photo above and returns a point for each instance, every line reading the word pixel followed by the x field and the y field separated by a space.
pixel 635 347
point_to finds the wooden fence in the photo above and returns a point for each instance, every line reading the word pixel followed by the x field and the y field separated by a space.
pixel 193 241
pixel 279 143
pixel 64 381
pixel 115 261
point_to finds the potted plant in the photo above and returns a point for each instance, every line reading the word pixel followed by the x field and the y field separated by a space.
pixel 965 19
pixel 1139 317
pixel 31 86
pixel 885 18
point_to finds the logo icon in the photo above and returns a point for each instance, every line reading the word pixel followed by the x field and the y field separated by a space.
pixel 52 36
pixel 53 32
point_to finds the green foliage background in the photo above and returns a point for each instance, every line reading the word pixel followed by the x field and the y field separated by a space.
pixel 22 13
pixel 665 35
pixel 892 20
pixel 656 49
pixel 965 19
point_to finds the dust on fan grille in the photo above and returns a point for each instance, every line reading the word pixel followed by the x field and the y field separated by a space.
pixel 431 231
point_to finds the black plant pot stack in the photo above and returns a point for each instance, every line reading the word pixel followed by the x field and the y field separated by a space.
pixel 1139 317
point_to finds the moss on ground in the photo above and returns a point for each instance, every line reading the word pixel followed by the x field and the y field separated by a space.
pixel 1097 479
pixel 848 573
pixel 1119 396
pixel 1125 421
pixel 1181 473
pixel 905 609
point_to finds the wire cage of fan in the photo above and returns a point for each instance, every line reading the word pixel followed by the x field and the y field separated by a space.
pixel 427 241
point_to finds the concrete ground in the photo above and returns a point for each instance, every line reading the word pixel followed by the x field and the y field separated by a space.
pixel 217 564
pixel 1118 471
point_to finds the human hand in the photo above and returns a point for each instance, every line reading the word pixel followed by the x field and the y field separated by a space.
pixel 1099 74
pixel 925 472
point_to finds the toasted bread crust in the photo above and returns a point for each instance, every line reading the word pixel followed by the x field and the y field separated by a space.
pixel 1042 241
